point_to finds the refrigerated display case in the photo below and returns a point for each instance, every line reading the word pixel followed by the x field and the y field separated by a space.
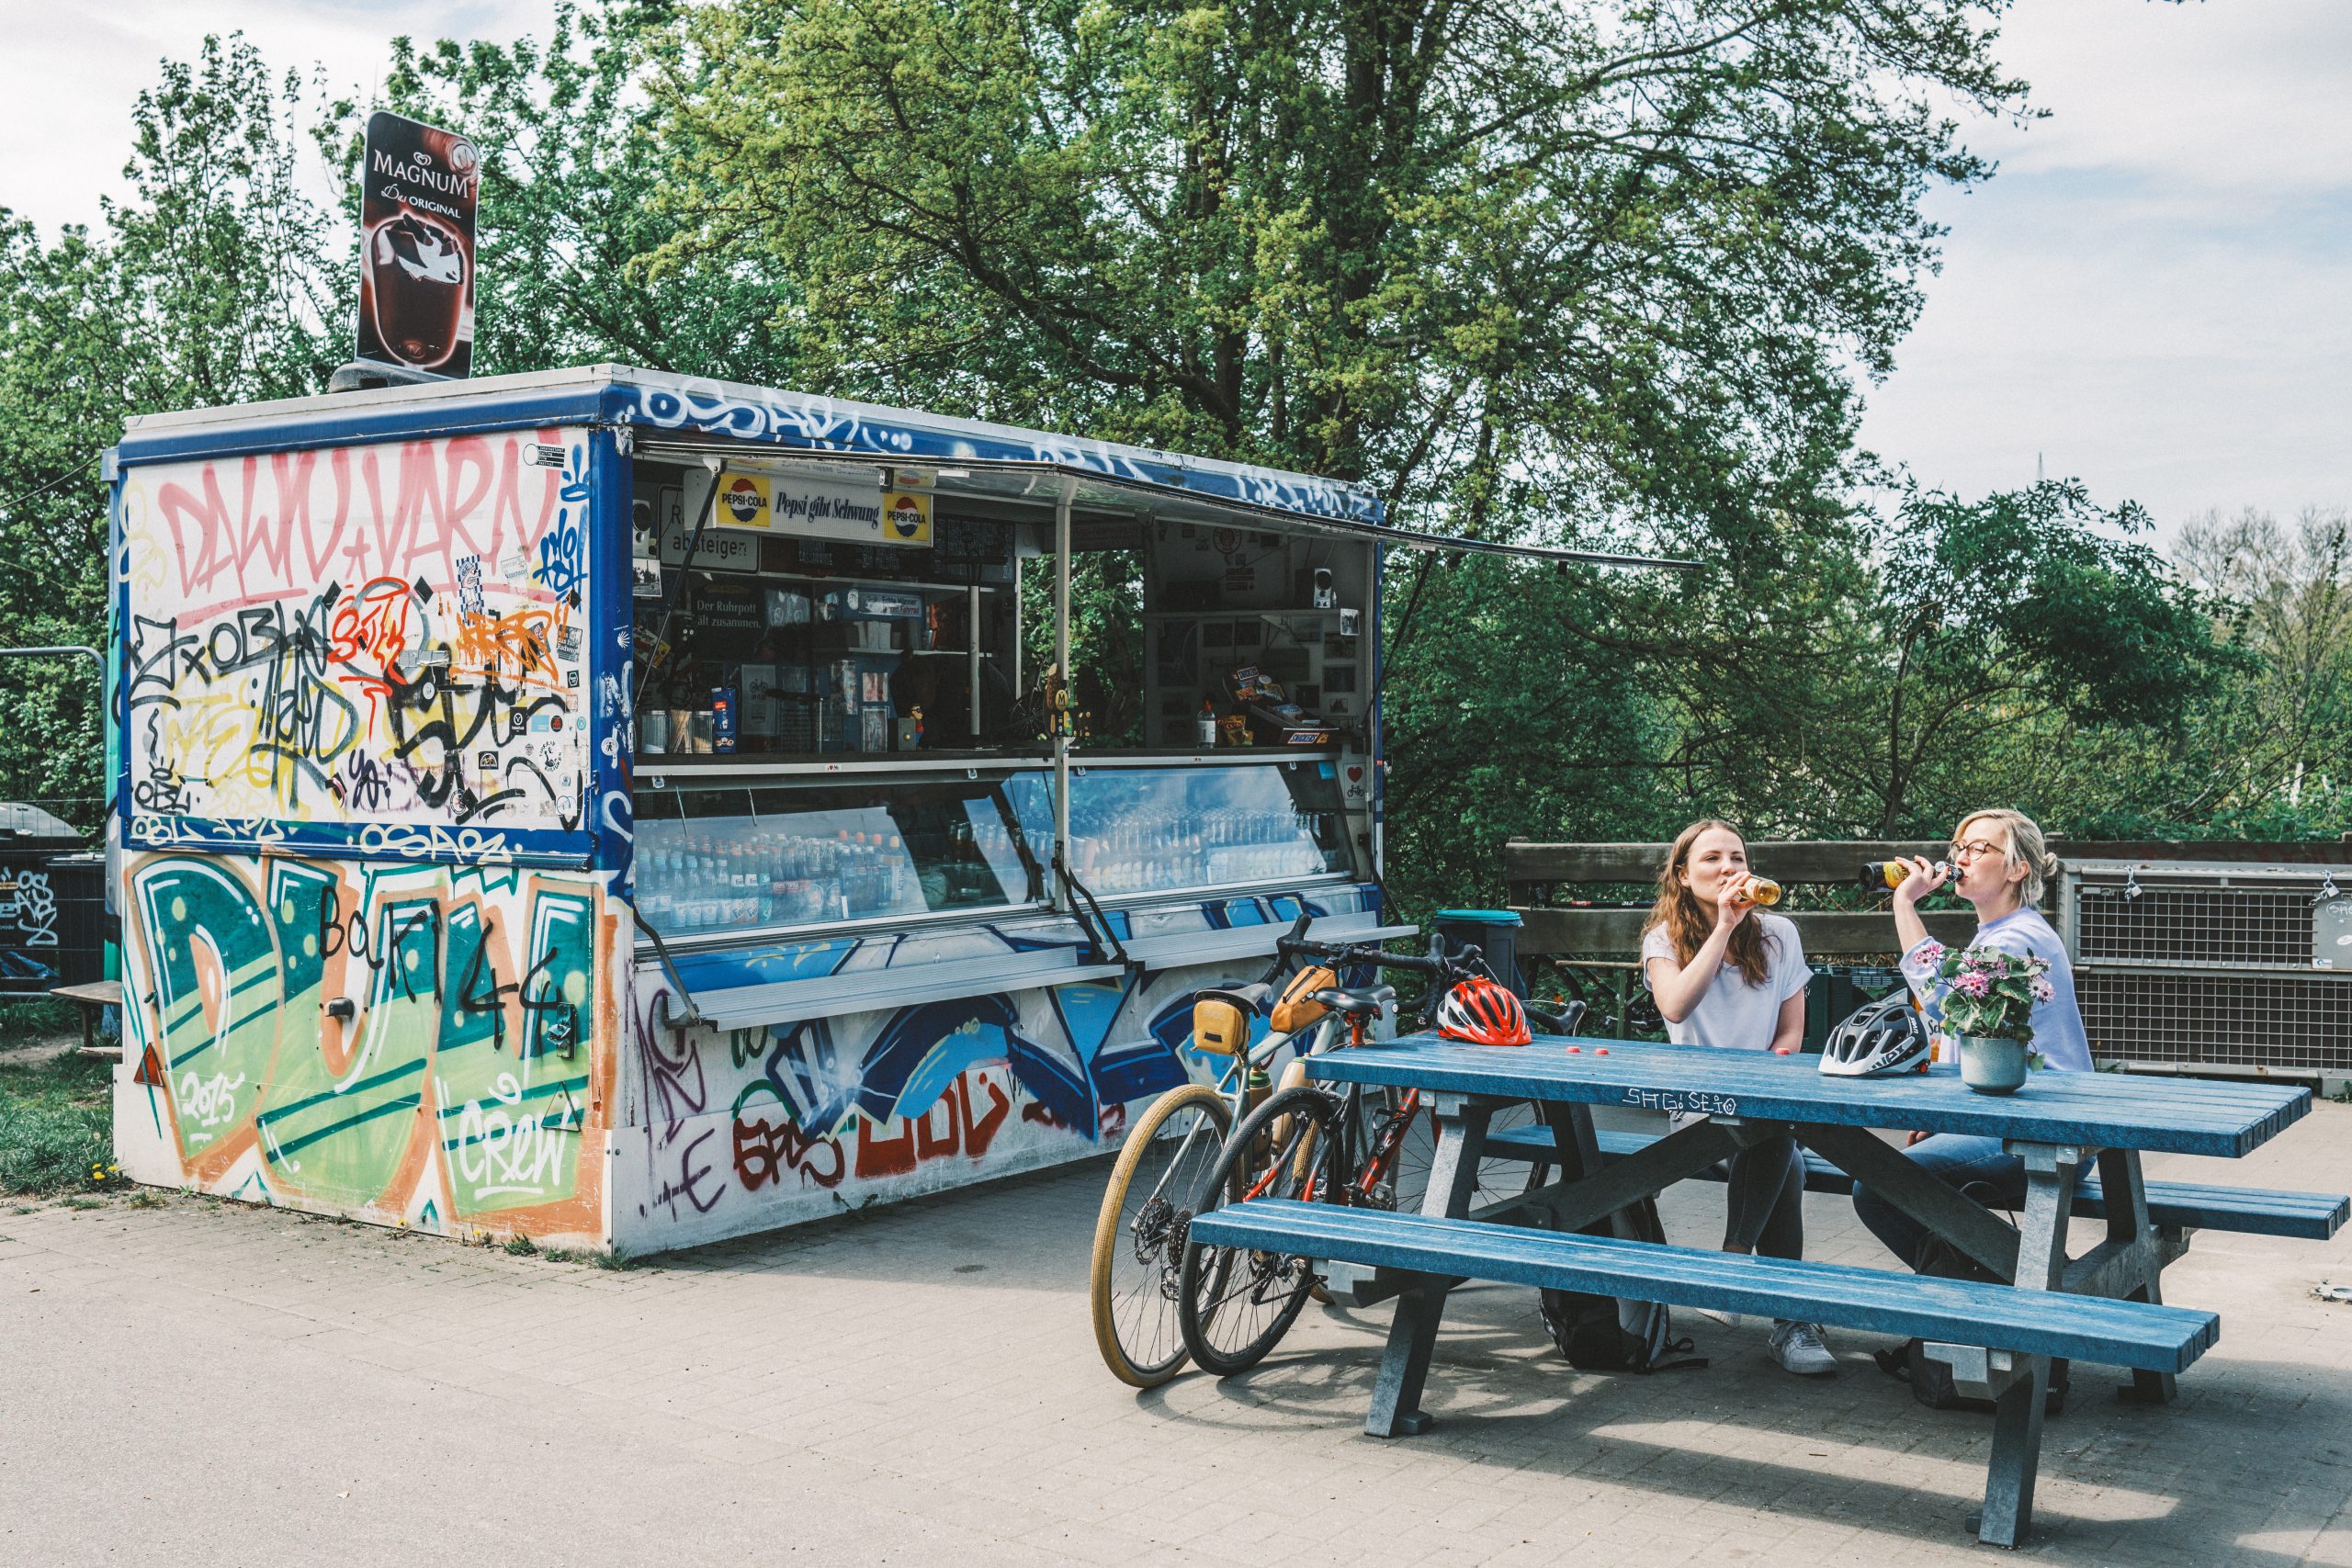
pixel 729 850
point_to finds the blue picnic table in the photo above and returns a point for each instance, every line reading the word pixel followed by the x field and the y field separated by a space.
pixel 2080 1136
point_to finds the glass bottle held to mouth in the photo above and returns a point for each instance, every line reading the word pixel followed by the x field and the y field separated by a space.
pixel 1892 873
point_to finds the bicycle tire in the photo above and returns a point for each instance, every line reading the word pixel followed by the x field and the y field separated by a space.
pixel 1234 1304
pixel 1135 1326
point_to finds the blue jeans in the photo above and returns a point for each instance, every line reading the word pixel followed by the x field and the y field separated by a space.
pixel 1977 1166
pixel 1765 1212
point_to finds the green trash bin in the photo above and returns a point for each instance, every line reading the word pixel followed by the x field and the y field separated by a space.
pixel 1493 932
pixel 1836 991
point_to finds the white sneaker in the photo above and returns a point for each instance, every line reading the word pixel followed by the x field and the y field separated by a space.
pixel 1798 1348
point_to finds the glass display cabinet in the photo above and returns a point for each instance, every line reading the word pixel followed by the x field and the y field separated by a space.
pixel 726 851
pixel 1141 826
pixel 737 850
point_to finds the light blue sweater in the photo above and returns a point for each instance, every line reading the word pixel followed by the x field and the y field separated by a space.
pixel 2058 1032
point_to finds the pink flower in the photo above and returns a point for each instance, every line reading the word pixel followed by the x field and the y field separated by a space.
pixel 2042 989
pixel 1971 983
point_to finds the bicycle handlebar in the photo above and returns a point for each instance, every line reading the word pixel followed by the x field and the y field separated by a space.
pixel 1467 964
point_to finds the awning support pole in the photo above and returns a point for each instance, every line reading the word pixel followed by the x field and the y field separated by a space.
pixel 1059 692
pixel 972 634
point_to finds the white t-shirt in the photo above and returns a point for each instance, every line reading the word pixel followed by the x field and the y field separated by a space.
pixel 1732 1012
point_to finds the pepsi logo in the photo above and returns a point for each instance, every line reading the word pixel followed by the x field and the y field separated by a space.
pixel 744 502
pixel 903 515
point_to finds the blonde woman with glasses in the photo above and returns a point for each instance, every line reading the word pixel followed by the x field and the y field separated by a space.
pixel 1999 864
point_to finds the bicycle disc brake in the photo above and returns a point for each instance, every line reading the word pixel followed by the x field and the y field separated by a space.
pixel 1151 1227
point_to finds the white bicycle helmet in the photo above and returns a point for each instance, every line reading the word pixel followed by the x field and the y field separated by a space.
pixel 1880 1039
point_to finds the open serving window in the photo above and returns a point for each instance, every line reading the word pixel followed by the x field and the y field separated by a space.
pixel 858 698
pixel 842 717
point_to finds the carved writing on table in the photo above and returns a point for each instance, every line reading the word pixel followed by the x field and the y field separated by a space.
pixel 1683 1101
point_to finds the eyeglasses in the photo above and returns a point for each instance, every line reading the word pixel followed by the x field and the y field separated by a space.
pixel 1972 849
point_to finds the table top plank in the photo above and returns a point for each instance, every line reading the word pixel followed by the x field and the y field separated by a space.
pixel 2107 1110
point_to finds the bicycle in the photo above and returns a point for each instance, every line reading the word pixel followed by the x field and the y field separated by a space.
pixel 1140 1232
pixel 1348 1146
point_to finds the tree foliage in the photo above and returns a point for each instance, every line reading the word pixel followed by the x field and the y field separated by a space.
pixel 1624 257
pixel 212 282
pixel 1614 275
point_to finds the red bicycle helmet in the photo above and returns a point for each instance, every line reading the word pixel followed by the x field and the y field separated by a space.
pixel 1484 1013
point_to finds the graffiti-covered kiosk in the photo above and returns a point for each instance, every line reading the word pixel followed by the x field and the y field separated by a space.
pixel 627 810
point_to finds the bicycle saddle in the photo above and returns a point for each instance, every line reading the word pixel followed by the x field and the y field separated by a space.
pixel 1357 1003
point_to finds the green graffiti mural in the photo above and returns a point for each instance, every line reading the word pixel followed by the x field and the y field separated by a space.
pixel 415 1039
pixel 510 1117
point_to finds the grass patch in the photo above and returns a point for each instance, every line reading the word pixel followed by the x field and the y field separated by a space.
pixel 520 1245
pixel 616 1260
pixel 25 1019
pixel 84 1202
pixel 56 1128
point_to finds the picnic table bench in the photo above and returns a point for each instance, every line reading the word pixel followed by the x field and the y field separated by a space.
pixel 2175 1208
pixel 2105 1306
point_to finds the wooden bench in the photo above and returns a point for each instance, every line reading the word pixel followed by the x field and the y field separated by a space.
pixel 2141 1335
pixel 93 1000
pixel 2173 1206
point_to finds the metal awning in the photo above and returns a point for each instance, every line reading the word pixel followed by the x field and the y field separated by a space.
pixel 1038 483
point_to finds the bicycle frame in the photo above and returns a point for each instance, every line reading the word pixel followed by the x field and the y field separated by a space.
pixel 1233 1082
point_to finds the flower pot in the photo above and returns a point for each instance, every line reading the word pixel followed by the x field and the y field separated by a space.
pixel 1992 1066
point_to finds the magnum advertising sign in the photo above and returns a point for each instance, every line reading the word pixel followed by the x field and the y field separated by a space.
pixel 416 246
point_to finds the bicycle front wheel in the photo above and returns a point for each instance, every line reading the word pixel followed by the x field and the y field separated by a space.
pixel 1139 1236
pixel 1234 1304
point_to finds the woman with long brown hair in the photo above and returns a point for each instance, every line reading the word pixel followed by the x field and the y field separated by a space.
pixel 1726 975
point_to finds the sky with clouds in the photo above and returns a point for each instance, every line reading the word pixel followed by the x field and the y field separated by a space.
pixel 2152 295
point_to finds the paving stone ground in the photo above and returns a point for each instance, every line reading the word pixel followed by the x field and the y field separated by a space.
pixel 194 1383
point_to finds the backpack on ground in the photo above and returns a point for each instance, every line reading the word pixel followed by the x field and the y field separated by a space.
pixel 1602 1334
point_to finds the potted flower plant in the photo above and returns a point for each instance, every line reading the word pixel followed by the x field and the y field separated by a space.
pixel 1988 1003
